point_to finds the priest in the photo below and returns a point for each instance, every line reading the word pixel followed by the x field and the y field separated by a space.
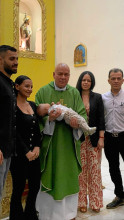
pixel 60 152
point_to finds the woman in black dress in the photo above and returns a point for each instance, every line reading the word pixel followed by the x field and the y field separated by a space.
pixel 26 164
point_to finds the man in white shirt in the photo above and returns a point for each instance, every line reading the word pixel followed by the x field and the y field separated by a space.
pixel 114 134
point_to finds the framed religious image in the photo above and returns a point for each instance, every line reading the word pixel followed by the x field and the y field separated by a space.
pixel 30 28
pixel 80 55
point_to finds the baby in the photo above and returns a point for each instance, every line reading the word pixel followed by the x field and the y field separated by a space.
pixel 67 114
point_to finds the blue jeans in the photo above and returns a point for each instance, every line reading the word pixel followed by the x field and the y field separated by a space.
pixel 4 167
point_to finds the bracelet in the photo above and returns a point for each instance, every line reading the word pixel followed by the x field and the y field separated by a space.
pixel 101 137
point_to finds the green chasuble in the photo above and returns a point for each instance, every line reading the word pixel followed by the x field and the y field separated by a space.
pixel 60 153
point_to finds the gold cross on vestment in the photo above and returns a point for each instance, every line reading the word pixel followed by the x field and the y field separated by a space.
pixel 62 102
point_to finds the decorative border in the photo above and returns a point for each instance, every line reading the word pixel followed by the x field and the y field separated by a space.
pixel 29 54
pixel 81 58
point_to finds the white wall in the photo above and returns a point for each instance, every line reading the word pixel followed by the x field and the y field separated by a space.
pixel 99 24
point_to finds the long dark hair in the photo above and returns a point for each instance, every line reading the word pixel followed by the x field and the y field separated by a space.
pixel 78 86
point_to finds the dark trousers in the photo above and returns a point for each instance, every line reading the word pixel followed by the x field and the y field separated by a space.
pixel 21 169
pixel 114 146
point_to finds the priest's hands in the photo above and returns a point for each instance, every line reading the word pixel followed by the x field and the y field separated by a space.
pixel 54 114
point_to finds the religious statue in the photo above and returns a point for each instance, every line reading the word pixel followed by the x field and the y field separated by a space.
pixel 25 32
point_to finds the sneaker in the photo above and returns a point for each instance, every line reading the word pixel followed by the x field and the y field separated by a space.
pixel 115 203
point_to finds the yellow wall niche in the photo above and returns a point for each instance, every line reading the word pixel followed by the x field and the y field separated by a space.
pixel 40 71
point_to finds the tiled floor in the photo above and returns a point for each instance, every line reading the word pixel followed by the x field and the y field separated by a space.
pixel 108 196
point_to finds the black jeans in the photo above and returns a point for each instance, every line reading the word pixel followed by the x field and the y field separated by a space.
pixel 113 147
pixel 21 169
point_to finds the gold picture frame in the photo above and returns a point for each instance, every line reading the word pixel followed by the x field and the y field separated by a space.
pixel 16 24
pixel 80 55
